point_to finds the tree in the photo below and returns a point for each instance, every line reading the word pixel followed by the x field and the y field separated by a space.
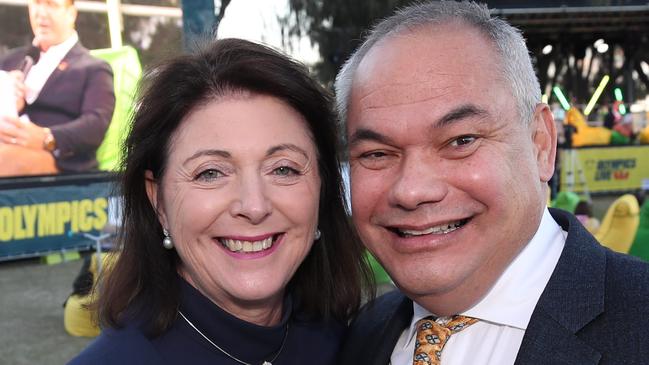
pixel 335 26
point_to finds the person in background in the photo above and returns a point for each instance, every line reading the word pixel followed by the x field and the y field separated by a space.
pixel 584 212
pixel 609 117
pixel 64 97
pixel 625 127
pixel 640 195
pixel 450 152
pixel 236 247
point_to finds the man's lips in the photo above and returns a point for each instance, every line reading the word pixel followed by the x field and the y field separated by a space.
pixel 406 231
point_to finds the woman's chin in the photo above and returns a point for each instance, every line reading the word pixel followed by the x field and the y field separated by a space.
pixel 255 297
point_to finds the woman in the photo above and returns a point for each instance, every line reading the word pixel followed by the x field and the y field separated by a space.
pixel 236 248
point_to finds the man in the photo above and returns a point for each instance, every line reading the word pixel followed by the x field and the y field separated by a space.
pixel 65 98
pixel 450 152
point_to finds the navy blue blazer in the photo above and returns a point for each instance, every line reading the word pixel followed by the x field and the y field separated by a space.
pixel 76 103
pixel 594 310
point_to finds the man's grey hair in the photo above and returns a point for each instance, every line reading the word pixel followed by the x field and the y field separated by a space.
pixel 515 64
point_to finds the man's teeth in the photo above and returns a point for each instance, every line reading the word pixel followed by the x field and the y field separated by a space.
pixel 247 246
pixel 442 229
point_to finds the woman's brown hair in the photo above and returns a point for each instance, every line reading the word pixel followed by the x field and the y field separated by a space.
pixel 143 283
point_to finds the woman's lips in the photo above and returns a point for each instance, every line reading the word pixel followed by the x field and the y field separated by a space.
pixel 240 244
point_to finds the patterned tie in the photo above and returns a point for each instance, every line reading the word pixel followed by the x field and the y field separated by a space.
pixel 432 336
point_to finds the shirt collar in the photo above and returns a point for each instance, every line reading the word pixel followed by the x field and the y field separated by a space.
pixel 513 297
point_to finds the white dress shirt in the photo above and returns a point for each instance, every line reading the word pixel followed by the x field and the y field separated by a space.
pixel 47 63
pixel 503 313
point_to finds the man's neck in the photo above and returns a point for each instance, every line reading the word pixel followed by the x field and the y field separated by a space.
pixel 473 289
pixel 450 303
pixel 45 47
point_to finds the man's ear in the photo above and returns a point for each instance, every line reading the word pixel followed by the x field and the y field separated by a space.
pixel 152 189
pixel 72 13
pixel 545 141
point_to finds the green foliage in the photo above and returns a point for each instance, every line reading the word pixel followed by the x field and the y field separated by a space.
pixel 336 26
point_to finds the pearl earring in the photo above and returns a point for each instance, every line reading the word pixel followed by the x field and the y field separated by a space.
pixel 166 241
pixel 318 234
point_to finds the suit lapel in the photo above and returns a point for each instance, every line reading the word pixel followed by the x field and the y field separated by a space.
pixel 573 298
pixel 388 335
pixel 549 342
pixel 65 63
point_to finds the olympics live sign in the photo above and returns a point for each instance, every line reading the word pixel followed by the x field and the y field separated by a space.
pixel 53 217
pixel 605 169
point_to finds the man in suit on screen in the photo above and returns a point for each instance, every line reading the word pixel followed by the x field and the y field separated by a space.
pixel 64 97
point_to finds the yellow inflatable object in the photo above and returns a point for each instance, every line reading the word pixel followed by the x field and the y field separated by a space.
pixel 78 319
pixel 585 134
pixel 620 224
pixel 643 136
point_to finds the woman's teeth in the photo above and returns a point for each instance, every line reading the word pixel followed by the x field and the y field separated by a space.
pixel 441 229
pixel 247 246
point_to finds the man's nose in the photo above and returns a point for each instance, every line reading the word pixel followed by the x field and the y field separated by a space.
pixel 420 181
pixel 251 202
pixel 40 13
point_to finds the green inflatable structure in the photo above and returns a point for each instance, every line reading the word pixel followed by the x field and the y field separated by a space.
pixel 126 73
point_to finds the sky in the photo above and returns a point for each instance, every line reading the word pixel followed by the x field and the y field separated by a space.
pixel 256 20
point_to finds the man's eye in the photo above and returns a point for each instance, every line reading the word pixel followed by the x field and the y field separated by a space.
pixel 373 155
pixel 463 141
pixel 285 171
pixel 376 160
pixel 209 175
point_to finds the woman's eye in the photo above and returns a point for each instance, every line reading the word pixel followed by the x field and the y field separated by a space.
pixel 285 171
pixel 209 175
pixel 463 141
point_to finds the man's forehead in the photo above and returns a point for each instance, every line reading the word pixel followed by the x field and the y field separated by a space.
pixel 445 62
pixel 52 3
pixel 396 94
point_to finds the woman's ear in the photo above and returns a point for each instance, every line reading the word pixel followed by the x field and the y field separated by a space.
pixel 152 188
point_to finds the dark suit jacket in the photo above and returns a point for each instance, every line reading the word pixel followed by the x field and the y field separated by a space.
pixel 76 103
pixel 594 310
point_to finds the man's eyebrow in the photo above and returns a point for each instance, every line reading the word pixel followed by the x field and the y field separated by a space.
pixel 364 134
pixel 286 146
pixel 209 152
pixel 462 112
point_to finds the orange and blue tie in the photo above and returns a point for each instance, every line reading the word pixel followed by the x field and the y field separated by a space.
pixel 432 336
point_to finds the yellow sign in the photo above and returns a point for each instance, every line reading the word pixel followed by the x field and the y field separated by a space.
pixel 605 169
pixel 51 219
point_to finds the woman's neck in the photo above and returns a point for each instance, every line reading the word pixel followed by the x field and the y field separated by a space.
pixel 264 312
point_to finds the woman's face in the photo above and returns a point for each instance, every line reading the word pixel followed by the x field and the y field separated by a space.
pixel 240 199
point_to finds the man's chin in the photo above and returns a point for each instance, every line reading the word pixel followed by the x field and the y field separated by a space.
pixel 427 285
pixel 44 42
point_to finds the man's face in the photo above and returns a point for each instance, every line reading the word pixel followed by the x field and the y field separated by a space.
pixel 52 21
pixel 447 181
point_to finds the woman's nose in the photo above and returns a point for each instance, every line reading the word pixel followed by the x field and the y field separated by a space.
pixel 252 202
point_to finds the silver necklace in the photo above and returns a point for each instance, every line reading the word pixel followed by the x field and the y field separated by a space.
pixel 267 362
